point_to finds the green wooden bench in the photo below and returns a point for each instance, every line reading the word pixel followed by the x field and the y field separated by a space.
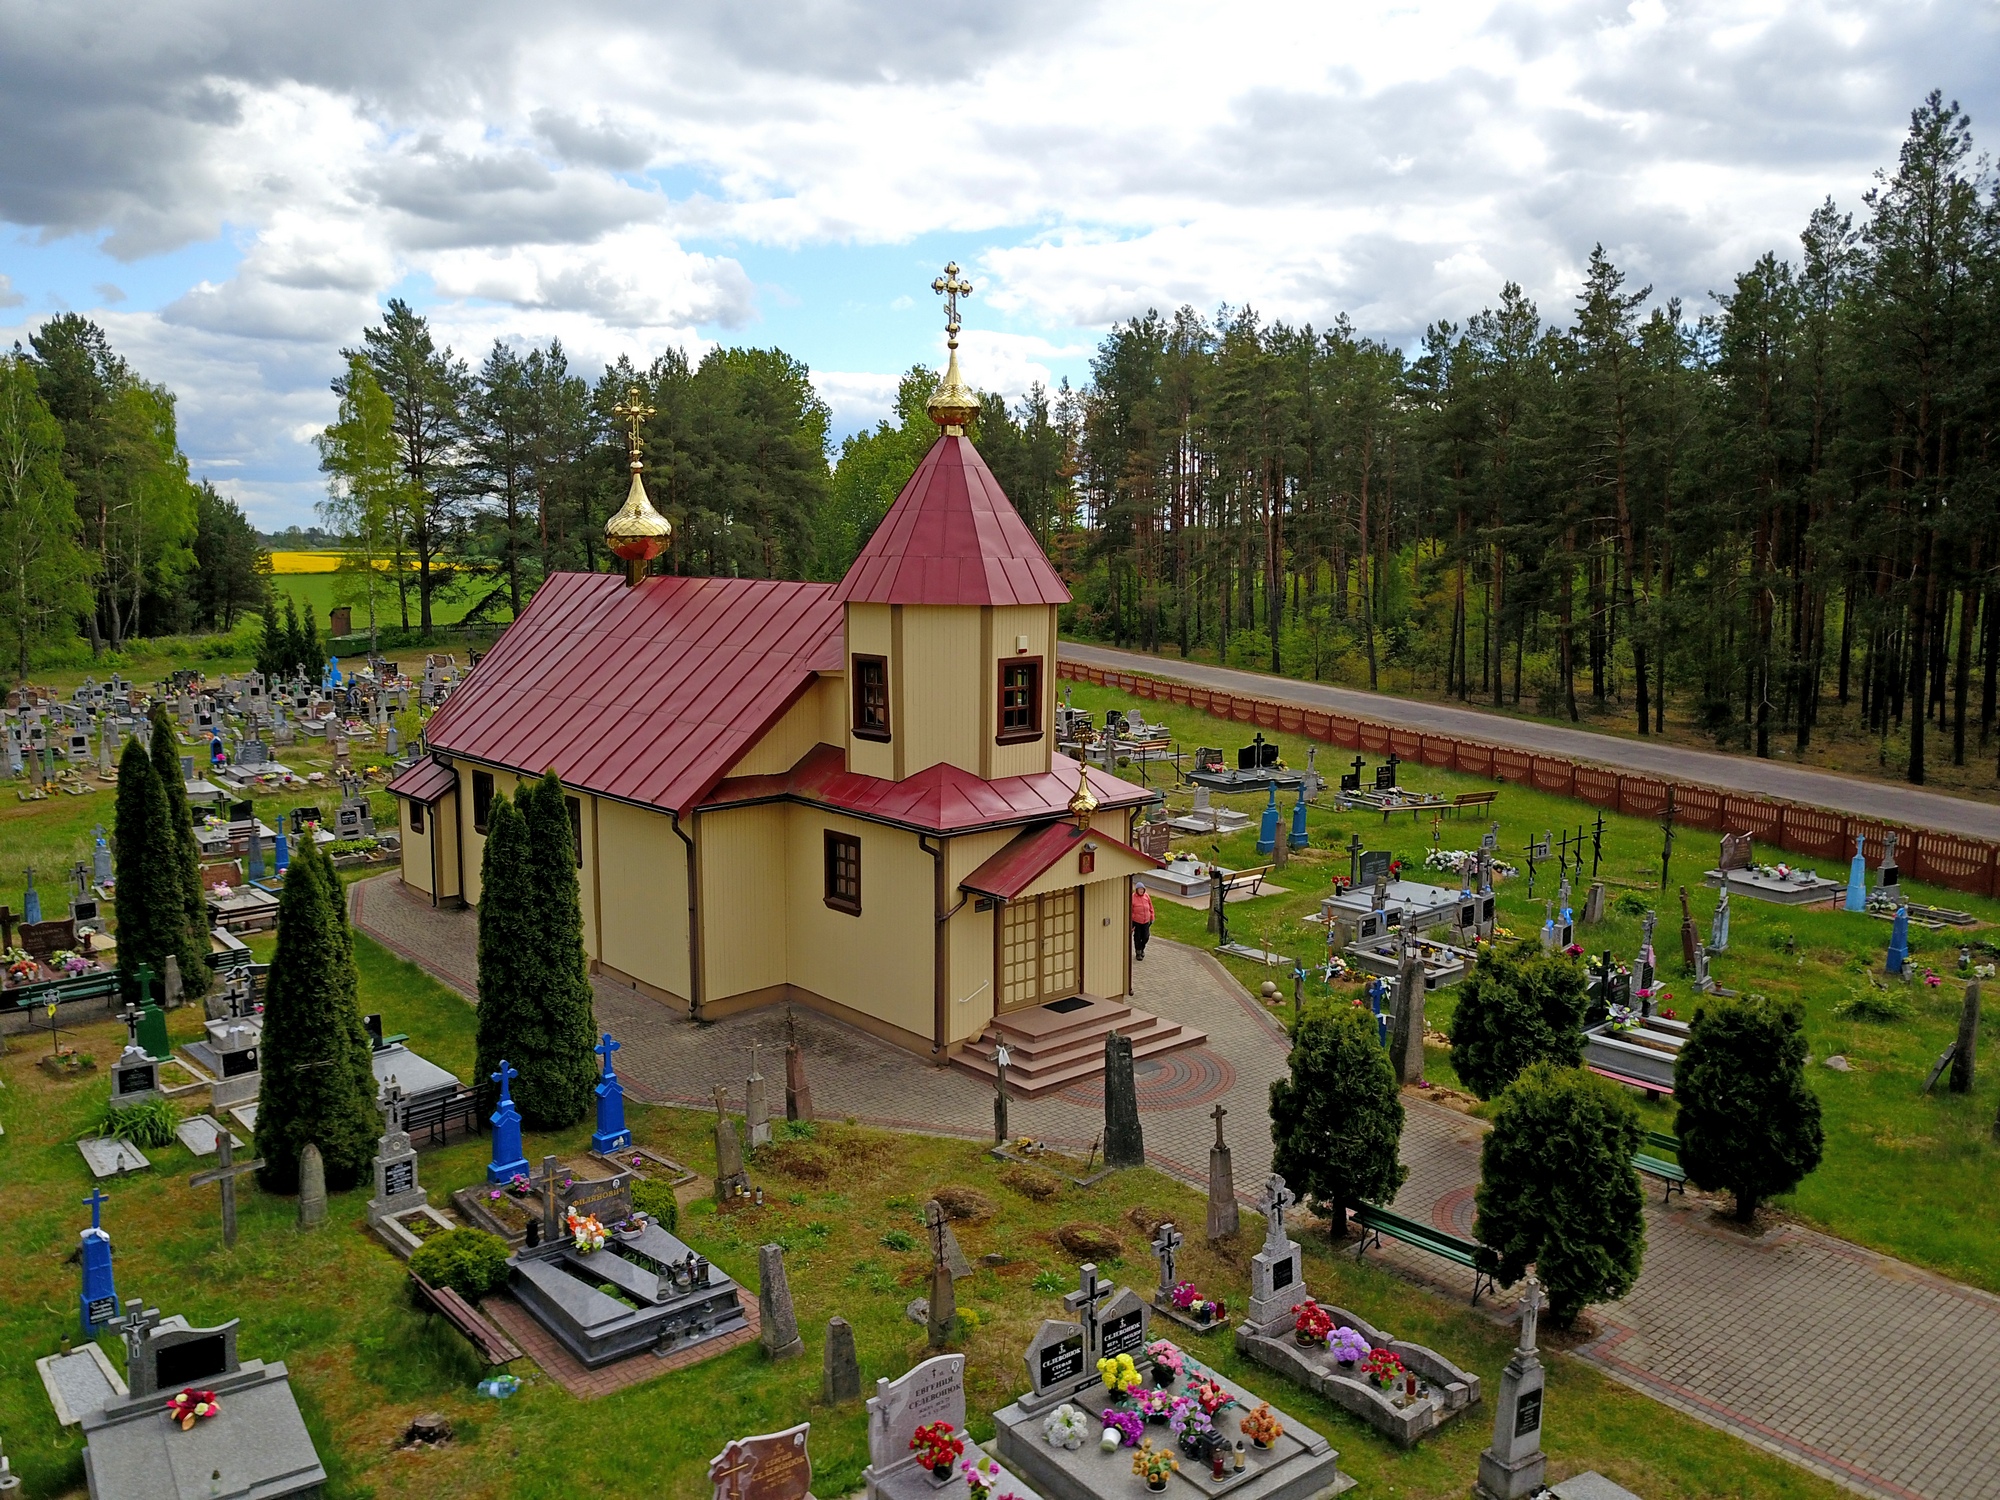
pixel 1653 1164
pixel 1475 1257
pixel 99 986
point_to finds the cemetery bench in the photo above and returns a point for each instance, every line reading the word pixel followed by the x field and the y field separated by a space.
pixel 493 1345
pixel 438 1113
pixel 1475 1257
pixel 1653 1164
pixel 102 985
pixel 1470 799
pixel 1247 881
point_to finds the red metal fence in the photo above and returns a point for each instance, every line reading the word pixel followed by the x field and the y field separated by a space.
pixel 1946 859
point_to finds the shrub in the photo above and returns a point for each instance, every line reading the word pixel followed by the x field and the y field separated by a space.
pixel 1747 1118
pixel 149 1124
pixel 469 1261
pixel 1877 1006
pixel 657 1200
pixel 1516 1008
pixel 1557 1187
pixel 899 1239
pixel 1630 903
pixel 1336 1120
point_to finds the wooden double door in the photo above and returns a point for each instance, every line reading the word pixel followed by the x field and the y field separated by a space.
pixel 1040 954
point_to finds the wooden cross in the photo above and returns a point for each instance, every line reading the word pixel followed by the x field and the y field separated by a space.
pixel 1667 839
pixel 1084 1303
pixel 225 1172
pixel 548 1181
pixel 934 1222
pixel 1166 1240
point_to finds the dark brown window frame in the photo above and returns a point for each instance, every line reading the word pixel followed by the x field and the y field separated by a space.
pixel 416 816
pixel 843 848
pixel 576 828
pixel 1024 735
pixel 482 799
pixel 862 729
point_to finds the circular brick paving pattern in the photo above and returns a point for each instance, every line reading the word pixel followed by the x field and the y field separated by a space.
pixel 1180 1080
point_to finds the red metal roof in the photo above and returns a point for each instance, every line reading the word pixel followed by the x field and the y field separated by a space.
pixel 952 537
pixel 646 694
pixel 425 781
pixel 1024 860
pixel 939 799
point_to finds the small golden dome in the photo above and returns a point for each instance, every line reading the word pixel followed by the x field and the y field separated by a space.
pixel 1083 804
pixel 637 533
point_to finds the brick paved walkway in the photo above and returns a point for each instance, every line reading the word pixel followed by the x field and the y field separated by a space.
pixel 1875 1374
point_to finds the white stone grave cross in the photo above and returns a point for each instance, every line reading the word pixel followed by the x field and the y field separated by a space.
pixel 1166 1241
pixel 1084 1302
pixel 1277 1198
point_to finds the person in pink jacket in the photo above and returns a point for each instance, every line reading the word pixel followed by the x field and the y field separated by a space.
pixel 1142 920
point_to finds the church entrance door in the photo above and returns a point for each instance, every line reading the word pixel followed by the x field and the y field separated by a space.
pixel 1041 949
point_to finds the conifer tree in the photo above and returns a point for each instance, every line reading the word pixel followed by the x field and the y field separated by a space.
pixel 193 947
pixel 295 643
pixel 1336 1121
pixel 568 1019
pixel 309 643
pixel 1516 1008
pixel 1747 1119
pixel 509 965
pixel 318 1086
pixel 152 911
pixel 271 649
pixel 1557 1188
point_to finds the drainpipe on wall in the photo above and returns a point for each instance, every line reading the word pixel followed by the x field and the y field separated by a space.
pixel 940 979
pixel 694 925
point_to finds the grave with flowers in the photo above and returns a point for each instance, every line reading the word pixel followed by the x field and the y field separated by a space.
pixel 917 1444
pixel 1109 1405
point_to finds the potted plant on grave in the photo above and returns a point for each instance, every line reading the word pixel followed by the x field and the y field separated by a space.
pixel 1382 1368
pixel 1195 1428
pixel 1261 1427
pixel 1120 1376
pixel 981 1474
pixel 1311 1323
pixel 1156 1466
pixel 937 1450
pixel 1121 1427
pixel 585 1232
pixel 1168 1362
pixel 1155 1405
pixel 1209 1394
pixel 1346 1346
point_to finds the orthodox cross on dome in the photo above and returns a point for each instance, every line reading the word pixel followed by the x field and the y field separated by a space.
pixel 634 410
pixel 951 286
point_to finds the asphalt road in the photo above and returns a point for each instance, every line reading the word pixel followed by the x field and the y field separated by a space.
pixel 1907 805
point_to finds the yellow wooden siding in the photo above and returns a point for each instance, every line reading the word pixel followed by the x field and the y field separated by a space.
pixel 869 633
pixel 473 841
pixel 941 688
pixel 786 742
pixel 1003 629
pixel 879 962
pixel 643 866
pixel 1106 912
pixel 742 899
pixel 970 936
pixel 443 821
pixel 830 694
pixel 1112 864
pixel 587 873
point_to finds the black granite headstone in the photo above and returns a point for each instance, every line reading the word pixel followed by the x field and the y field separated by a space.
pixel 1124 1146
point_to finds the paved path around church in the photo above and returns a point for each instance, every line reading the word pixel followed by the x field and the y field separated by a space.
pixel 1871 1372
pixel 1907 805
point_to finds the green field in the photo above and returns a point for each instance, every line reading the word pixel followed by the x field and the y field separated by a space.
pixel 319 590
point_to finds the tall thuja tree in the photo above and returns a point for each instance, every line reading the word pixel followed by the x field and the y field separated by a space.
pixel 318 1084
pixel 295 642
pixel 271 646
pixel 151 904
pixel 193 944
pixel 1747 1119
pixel 568 1016
pixel 510 959
pixel 1336 1121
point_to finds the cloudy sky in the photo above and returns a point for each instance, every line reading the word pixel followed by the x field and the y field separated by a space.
pixel 234 187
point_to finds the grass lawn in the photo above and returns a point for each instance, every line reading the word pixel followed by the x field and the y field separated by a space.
pixel 1915 1176
pixel 846 1205
pixel 324 590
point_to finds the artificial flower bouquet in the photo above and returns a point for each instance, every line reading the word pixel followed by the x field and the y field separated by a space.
pixel 1167 1356
pixel 1120 1376
pixel 1346 1345
pixel 1261 1427
pixel 1155 1404
pixel 980 1474
pixel 1129 1425
pixel 1311 1322
pixel 1065 1428
pixel 1209 1394
pixel 1187 1297
pixel 935 1446
pixel 1383 1368
pixel 584 1231
pixel 191 1405
pixel 1155 1465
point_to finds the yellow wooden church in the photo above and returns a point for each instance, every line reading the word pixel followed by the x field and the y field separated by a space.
pixel 846 796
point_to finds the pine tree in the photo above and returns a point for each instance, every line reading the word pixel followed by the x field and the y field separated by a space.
pixel 1746 1116
pixel 1516 1008
pixel 568 1014
pixel 193 946
pixel 1557 1187
pixel 318 1086
pixel 1336 1121
pixel 151 907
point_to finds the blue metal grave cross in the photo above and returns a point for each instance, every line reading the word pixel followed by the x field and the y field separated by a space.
pixel 95 1202
pixel 604 1049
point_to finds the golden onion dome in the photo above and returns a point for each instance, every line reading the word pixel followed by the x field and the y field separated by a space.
pixel 637 533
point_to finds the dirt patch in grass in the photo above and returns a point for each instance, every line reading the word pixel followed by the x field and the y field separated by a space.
pixel 963 1203
pixel 1092 1241
pixel 1031 1183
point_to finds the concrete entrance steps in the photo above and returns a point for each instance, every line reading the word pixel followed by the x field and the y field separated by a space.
pixel 1049 1049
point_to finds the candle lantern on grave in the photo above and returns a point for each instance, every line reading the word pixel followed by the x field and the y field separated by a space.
pixel 638 533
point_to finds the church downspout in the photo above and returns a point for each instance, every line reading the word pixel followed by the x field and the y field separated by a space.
pixel 940 975
pixel 694 924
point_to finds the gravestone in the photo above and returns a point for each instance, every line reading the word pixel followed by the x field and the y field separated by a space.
pixel 798 1093
pixel 107 1157
pixel 1055 1357
pixel 756 1111
pixel 1406 1047
pixel 135 1078
pixel 1718 927
pixel 611 1133
pixel 780 1334
pixel 1123 1325
pixel 200 1134
pixel 1888 878
pixel 1124 1146
pixel 775 1466
pixel 1593 904
pixel 171 986
pixel 509 1160
pixel 1223 1216
pixel 942 1308
pixel 1514 1466
pixel 730 1178
pixel 1968 1041
pixel 312 1187
pixel 840 1366
pixel 1167 1242
pixel 933 1391
pixel 97 1303
pixel 1277 1272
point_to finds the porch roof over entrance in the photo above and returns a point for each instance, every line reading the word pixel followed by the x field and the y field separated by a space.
pixel 1019 865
